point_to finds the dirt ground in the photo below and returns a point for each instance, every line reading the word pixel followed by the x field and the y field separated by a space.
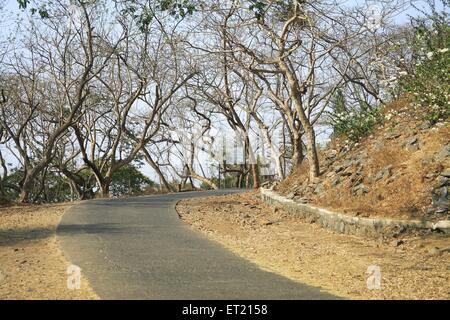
pixel 411 267
pixel 31 264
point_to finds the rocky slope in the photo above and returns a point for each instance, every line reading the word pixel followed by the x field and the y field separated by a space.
pixel 402 170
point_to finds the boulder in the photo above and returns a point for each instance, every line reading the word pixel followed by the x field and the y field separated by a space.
pixel 445 173
pixel 444 153
pixel 412 144
pixel 360 189
pixel 442 182
pixel 440 198
pixel 319 189
pixel 331 154
pixel 424 126
pixel 384 173
pixel 393 135
pixel 290 195
pixel 335 181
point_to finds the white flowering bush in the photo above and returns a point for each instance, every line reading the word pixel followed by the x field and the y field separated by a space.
pixel 429 83
pixel 356 125
pixel 429 86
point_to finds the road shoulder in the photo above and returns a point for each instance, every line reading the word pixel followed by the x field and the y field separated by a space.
pixel 32 266
pixel 411 268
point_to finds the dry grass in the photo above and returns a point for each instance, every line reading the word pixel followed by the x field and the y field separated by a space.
pixel 306 253
pixel 31 264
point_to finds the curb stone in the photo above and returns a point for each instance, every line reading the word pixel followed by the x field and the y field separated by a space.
pixel 341 223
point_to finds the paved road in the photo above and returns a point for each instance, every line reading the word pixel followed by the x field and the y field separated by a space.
pixel 137 248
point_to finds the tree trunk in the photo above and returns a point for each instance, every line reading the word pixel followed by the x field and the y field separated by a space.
pixel 255 174
pixel 297 93
pixel 104 189
pixel 23 197
pixel 202 179
pixel 297 151
pixel 25 188
pixel 155 167
pixel 313 159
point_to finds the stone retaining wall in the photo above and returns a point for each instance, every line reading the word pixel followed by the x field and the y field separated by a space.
pixel 342 223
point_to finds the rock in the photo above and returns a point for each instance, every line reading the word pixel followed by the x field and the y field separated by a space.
pixel 424 126
pixel 319 189
pixel 266 184
pixel 348 172
pixel 442 182
pixel 331 154
pixel 445 173
pixel 301 199
pixel 361 156
pixel 330 174
pixel 393 135
pixel 440 197
pixel 412 140
pixel 360 189
pixel 397 243
pixel 383 173
pixel 274 184
pixel 430 176
pixel 398 232
pixel 441 211
pixel 442 225
pixel 335 181
pixel 444 153
pixel 351 162
pixel 356 179
pixel 268 222
pixel 290 195
pixel 412 143
pixel 344 165
pixel 434 251
pixel 412 147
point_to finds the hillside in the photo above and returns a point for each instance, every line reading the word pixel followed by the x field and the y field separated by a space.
pixel 401 170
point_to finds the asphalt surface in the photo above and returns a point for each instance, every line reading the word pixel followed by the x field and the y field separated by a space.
pixel 138 248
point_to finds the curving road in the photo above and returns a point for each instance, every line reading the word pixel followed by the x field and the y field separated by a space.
pixel 137 248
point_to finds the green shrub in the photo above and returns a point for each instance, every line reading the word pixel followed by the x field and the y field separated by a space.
pixel 356 124
pixel 353 124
